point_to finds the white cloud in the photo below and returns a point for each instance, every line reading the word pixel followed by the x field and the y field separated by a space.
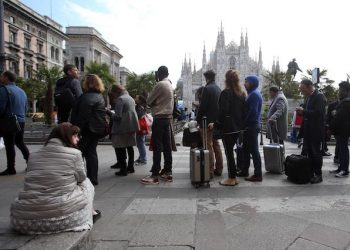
pixel 151 33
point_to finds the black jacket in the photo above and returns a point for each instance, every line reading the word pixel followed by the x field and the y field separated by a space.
pixel 89 114
pixel 209 103
pixel 231 112
pixel 314 117
pixel 69 82
pixel 340 124
pixel 329 117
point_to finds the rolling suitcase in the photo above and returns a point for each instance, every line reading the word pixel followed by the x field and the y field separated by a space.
pixel 274 156
pixel 298 169
pixel 199 162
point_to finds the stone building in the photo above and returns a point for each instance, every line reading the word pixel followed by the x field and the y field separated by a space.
pixel 30 39
pixel 87 45
pixel 124 74
pixel 224 57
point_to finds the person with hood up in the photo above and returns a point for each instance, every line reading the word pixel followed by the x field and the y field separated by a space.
pixel 252 126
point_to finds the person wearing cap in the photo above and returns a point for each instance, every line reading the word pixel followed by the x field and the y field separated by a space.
pixel 209 107
pixel 251 133
pixel 161 101
pixel 340 126
pixel 277 116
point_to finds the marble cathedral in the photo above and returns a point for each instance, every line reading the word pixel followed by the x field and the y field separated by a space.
pixel 224 57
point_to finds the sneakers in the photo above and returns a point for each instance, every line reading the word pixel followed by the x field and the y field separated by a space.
pixel 336 171
pixel 342 174
pixel 140 162
pixel 150 180
pixel 254 178
pixel 229 182
pixel 167 177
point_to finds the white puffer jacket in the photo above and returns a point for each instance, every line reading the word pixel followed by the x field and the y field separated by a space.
pixel 52 183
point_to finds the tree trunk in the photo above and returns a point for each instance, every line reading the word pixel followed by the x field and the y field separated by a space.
pixel 49 107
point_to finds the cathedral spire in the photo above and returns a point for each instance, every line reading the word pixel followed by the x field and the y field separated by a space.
pixel 246 45
pixel 194 67
pixel 260 56
pixel 273 70
pixel 242 40
pixel 204 59
pixel 278 70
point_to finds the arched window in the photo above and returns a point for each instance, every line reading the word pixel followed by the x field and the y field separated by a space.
pixel 52 52
pixel 76 61
pixel 233 62
pixel 57 54
pixel 82 64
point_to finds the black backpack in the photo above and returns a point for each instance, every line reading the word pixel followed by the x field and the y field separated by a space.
pixel 64 97
pixel 298 169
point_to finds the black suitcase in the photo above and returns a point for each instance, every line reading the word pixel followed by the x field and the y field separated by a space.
pixel 298 169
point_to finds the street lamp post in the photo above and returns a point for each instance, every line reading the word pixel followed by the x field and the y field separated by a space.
pixel 2 44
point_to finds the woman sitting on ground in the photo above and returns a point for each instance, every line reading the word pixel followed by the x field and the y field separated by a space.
pixel 57 196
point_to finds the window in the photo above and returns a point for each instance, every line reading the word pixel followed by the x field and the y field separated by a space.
pixel 82 64
pixel 52 52
pixel 76 62
pixel 57 54
pixel 27 43
pixel 27 71
pixel 13 67
pixel 12 19
pixel 13 37
pixel 27 27
pixel 40 48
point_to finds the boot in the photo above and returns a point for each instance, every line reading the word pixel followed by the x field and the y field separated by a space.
pixel 123 170
pixel 229 182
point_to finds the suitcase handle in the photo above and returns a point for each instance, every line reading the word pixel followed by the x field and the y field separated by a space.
pixel 205 128
pixel 270 129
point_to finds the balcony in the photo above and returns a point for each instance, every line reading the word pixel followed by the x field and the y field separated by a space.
pixel 28 52
pixel 40 56
pixel 13 46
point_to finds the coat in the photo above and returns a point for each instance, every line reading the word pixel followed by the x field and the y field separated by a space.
pixel 209 106
pixel 340 123
pixel 278 112
pixel 161 99
pixel 313 125
pixel 125 122
pixel 52 185
pixel 231 112
pixel 89 114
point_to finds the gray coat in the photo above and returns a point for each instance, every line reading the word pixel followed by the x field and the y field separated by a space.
pixel 278 112
pixel 125 122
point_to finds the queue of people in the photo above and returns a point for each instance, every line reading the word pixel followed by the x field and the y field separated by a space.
pixel 61 184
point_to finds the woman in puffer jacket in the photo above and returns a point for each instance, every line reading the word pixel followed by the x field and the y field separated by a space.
pixel 57 196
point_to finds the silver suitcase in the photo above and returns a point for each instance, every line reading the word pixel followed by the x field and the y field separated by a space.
pixel 199 162
pixel 274 157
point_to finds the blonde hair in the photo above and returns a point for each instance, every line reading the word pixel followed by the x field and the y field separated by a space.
pixel 232 82
pixel 94 82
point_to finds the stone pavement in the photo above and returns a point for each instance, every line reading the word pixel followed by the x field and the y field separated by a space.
pixel 274 214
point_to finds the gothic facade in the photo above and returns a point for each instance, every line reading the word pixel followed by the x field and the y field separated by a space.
pixel 224 57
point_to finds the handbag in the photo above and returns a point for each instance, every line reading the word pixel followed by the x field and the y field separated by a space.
pixel 8 120
pixel 143 126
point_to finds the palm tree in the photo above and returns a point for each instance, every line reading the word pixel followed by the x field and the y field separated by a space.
pixel 102 70
pixel 140 84
pixel 48 76
pixel 32 87
pixel 325 85
pixel 282 80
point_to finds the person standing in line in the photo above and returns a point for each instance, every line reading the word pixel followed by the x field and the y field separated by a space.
pixel 329 117
pixel 277 116
pixel 89 115
pixel 209 108
pixel 141 106
pixel 313 126
pixel 18 101
pixel 252 126
pixel 296 125
pixel 70 83
pixel 340 126
pixel 125 126
pixel 230 121
pixel 161 101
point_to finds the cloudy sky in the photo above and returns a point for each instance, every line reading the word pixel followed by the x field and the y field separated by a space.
pixel 150 33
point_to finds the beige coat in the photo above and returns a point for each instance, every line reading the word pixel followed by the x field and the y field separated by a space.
pixel 52 186
pixel 161 99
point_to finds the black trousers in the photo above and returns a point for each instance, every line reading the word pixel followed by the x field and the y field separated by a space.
pixel 121 156
pixel 251 148
pixel 88 146
pixel 313 149
pixel 229 142
pixel 10 140
pixel 63 114
pixel 161 137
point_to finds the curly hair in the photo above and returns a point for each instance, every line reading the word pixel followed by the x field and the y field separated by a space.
pixel 232 82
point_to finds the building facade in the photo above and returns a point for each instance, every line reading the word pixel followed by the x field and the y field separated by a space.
pixel 30 39
pixel 124 74
pixel 86 44
pixel 224 57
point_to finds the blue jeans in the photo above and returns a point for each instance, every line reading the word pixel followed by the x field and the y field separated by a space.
pixel 251 148
pixel 140 141
pixel 294 135
pixel 342 143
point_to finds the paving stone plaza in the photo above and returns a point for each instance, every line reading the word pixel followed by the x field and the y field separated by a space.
pixel 274 214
